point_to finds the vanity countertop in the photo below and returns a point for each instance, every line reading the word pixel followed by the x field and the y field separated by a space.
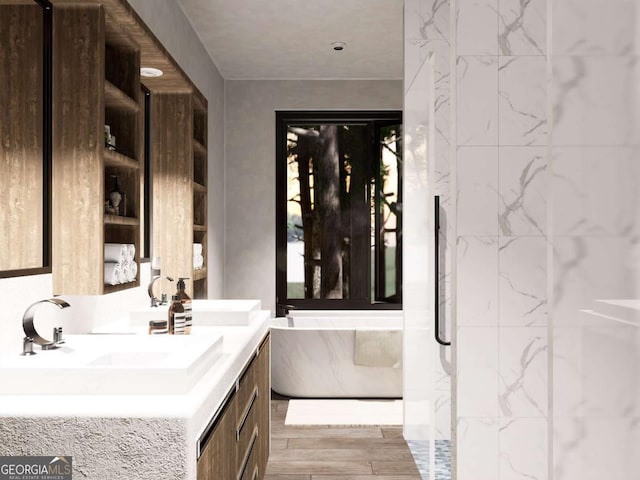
pixel 81 425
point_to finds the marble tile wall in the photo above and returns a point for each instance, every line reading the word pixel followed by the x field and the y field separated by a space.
pixel 502 188
pixel 595 209
pixel 536 132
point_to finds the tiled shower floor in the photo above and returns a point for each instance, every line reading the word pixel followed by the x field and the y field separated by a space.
pixel 420 452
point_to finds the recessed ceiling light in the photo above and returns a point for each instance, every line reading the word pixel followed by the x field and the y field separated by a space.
pixel 150 72
pixel 338 46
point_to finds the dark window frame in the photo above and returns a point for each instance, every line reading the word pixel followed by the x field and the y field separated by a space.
pixel 283 118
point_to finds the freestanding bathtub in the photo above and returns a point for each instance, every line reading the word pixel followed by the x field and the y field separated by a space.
pixel 312 355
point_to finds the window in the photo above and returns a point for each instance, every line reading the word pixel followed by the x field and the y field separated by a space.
pixel 339 215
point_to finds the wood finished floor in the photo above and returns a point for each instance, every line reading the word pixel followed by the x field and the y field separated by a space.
pixel 336 453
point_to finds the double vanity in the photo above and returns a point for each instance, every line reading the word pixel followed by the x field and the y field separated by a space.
pixel 126 404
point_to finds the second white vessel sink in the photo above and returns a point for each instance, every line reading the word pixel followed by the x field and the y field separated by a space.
pixel 206 313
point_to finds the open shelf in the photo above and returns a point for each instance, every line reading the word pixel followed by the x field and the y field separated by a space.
pixel 116 99
pixel 119 220
pixel 199 228
pixel 116 159
pixel 198 187
pixel 120 287
pixel 198 148
pixel 106 67
pixel 200 274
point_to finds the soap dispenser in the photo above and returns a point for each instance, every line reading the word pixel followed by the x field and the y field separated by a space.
pixel 186 304
pixel 176 317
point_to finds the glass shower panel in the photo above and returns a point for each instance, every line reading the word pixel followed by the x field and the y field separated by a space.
pixel 427 380
pixel 594 247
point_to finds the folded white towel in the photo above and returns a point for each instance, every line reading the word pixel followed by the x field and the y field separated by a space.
pixel 131 252
pixel 197 249
pixel 133 271
pixel 115 252
pixel 198 262
pixel 378 348
pixel 112 273
pixel 124 272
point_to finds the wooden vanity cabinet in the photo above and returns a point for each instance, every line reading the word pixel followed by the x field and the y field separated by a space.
pixel 236 444
pixel 218 459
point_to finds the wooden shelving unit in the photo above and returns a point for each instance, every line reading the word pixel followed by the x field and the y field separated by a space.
pixel 120 220
pixel 200 274
pixel 115 159
pixel 96 83
pixel 116 99
pixel 200 159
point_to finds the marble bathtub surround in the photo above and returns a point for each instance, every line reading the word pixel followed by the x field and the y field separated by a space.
pixel 522 102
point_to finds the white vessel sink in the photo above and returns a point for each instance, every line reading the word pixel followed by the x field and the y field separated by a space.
pixel 205 313
pixel 127 359
pixel 112 364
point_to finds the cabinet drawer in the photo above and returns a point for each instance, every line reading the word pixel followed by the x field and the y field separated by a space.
pixel 248 469
pixel 247 384
pixel 248 423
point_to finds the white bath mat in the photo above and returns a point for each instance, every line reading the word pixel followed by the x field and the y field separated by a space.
pixel 344 412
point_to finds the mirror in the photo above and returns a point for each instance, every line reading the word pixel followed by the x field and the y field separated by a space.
pixel 25 137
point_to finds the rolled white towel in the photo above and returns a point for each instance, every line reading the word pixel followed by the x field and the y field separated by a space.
pixel 112 273
pixel 124 272
pixel 131 252
pixel 115 252
pixel 197 249
pixel 198 262
pixel 133 271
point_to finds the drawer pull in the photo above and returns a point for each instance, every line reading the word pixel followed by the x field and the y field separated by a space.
pixel 255 473
pixel 246 413
pixel 247 456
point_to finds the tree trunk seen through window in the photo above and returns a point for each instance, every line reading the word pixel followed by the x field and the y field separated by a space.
pixel 342 197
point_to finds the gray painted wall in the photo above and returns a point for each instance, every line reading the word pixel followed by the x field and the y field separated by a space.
pixel 250 240
pixel 169 23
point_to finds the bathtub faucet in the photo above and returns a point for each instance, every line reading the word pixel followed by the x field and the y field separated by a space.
pixel 282 308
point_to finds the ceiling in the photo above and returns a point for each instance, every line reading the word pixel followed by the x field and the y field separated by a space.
pixel 291 39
